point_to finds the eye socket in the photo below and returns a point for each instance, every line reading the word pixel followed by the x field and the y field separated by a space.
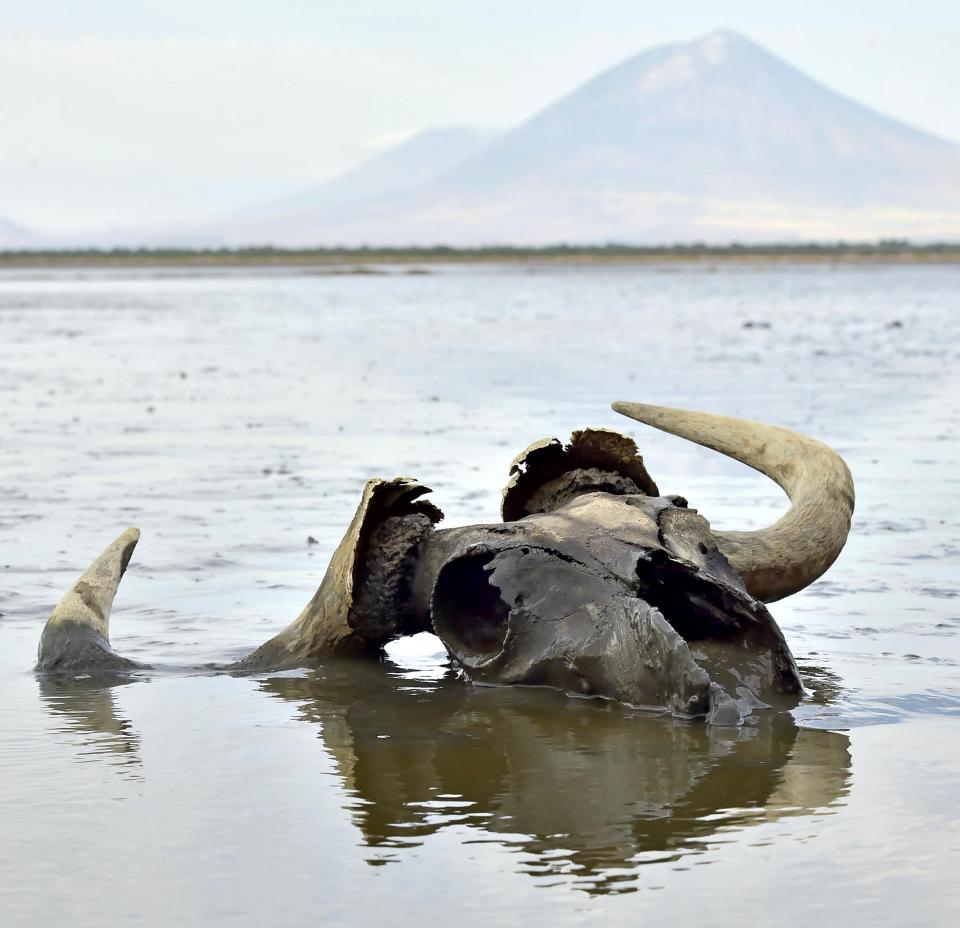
pixel 468 614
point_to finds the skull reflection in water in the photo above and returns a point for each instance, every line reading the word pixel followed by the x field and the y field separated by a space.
pixel 586 795
pixel 593 584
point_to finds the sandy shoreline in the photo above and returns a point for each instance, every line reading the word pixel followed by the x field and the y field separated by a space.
pixel 369 261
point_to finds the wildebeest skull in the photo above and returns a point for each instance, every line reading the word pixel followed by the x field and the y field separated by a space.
pixel 594 583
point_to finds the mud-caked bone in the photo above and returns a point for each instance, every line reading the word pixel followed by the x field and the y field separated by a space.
pixel 594 583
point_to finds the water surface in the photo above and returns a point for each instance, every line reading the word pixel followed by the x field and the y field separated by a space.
pixel 233 416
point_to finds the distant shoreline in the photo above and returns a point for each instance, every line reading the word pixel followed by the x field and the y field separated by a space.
pixel 887 252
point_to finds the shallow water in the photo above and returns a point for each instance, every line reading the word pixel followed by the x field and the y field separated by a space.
pixel 233 415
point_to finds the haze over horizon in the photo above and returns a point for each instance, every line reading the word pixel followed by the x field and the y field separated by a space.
pixel 186 118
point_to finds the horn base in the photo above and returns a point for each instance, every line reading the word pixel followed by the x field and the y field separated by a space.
pixel 74 647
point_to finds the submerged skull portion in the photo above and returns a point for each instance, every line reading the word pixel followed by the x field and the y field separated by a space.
pixel 594 583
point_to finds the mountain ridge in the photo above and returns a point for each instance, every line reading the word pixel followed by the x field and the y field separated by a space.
pixel 713 140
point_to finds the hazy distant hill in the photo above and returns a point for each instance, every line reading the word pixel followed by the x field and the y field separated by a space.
pixel 406 165
pixel 400 168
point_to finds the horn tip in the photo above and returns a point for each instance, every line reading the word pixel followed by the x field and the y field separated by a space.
pixel 639 411
pixel 126 541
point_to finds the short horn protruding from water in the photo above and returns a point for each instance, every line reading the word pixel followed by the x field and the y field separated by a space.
pixel 793 552
pixel 77 634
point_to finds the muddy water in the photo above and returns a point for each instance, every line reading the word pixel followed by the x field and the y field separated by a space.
pixel 232 416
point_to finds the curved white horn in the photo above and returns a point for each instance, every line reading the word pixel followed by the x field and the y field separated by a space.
pixel 790 554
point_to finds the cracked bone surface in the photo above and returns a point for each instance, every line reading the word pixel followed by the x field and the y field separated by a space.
pixel 625 597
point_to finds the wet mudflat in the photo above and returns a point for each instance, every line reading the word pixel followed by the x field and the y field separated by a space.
pixel 233 416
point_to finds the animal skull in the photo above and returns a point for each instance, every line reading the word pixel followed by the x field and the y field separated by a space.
pixel 593 584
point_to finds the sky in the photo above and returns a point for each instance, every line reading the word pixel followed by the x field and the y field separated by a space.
pixel 117 112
